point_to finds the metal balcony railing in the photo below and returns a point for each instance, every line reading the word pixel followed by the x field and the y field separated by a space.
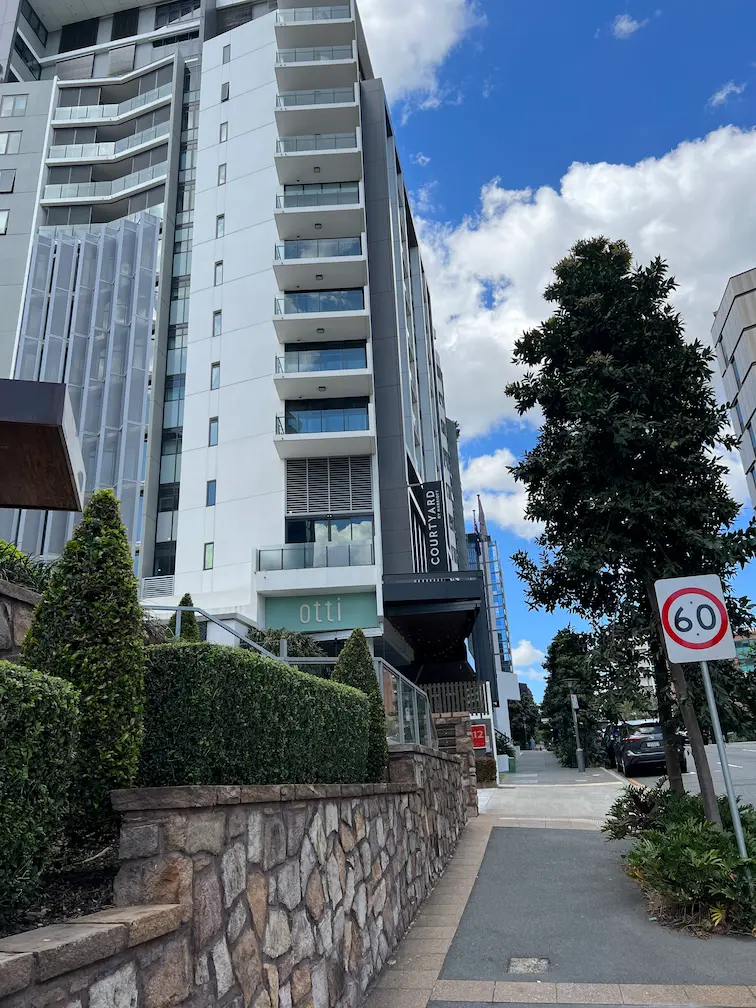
pixel 112 111
pixel 307 361
pixel 324 421
pixel 99 190
pixel 340 197
pixel 451 697
pixel 306 556
pixel 109 148
pixel 319 248
pixel 320 96
pixel 316 142
pixel 316 302
pixel 315 54
pixel 334 12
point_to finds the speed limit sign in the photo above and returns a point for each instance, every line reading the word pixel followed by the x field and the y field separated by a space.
pixel 694 619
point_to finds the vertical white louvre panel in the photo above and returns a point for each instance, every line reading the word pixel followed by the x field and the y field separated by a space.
pixel 329 485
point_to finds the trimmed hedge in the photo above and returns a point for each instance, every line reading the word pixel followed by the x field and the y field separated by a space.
pixel 355 668
pixel 221 715
pixel 38 733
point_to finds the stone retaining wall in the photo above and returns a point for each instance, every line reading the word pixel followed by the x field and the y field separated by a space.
pixel 17 606
pixel 455 735
pixel 287 896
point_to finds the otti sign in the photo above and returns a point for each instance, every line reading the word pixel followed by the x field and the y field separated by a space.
pixel 320 613
pixel 432 500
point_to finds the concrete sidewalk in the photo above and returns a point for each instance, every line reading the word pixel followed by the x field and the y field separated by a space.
pixel 548 895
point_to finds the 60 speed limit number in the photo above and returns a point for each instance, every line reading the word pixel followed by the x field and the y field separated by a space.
pixel 694 619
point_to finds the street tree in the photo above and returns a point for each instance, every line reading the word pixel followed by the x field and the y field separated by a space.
pixel 524 717
pixel 624 477
pixel 568 657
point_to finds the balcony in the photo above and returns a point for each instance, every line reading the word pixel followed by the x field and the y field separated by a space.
pixel 318 428
pixel 86 113
pixel 303 67
pixel 306 556
pixel 336 370
pixel 324 213
pixel 330 109
pixel 88 191
pixel 320 263
pixel 321 316
pixel 110 150
pixel 336 156
pixel 330 24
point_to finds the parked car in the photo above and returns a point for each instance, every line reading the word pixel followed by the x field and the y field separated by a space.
pixel 636 745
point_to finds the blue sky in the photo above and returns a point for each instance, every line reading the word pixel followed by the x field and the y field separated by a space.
pixel 526 124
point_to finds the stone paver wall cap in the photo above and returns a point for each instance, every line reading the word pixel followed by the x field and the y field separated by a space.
pixel 61 948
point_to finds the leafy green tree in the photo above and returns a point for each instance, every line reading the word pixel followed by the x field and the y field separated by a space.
pixel 569 657
pixel 300 645
pixel 524 717
pixel 190 631
pixel 735 693
pixel 624 476
pixel 88 631
pixel 355 668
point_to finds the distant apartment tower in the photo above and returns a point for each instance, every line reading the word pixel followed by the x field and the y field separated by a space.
pixel 205 232
pixel 734 338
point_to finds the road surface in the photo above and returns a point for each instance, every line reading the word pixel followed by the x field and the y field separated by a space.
pixel 741 757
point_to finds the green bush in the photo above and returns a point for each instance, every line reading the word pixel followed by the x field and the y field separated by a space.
pixel 486 770
pixel 300 645
pixel 38 731
pixel 21 569
pixel 355 668
pixel 190 631
pixel 690 870
pixel 88 630
pixel 221 715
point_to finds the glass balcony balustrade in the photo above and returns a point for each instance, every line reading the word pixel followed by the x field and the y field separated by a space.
pixel 317 96
pixel 110 148
pixel 318 248
pixel 332 12
pixel 98 190
pixel 315 54
pixel 316 142
pixel 330 416
pixel 315 302
pixel 304 556
pixel 308 361
pixel 302 200
pixel 112 111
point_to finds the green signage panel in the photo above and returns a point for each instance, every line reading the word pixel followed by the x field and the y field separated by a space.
pixel 319 613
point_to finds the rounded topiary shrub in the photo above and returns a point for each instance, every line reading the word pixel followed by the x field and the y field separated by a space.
pixel 38 732
pixel 190 631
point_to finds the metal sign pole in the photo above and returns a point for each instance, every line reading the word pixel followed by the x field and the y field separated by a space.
pixel 579 752
pixel 737 825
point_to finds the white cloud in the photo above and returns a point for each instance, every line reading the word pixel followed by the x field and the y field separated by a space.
pixel 420 159
pixel 531 675
pixel 734 479
pixel 424 198
pixel 410 39
pixel 526 654
pixel 624 26
pixel 502 498
pixel 721 96
pixel 694 206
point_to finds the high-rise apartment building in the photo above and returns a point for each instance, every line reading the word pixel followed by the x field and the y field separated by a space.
pixel 734 336
pixel 205 232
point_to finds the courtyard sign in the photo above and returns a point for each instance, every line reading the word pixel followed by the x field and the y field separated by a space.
pixel 320 613
pixel 432 503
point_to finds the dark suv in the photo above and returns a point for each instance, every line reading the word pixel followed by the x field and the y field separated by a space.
pixel 634 745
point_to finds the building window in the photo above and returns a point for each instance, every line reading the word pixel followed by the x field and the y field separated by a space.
pixel 218 278
pixel 210 493
pixel 79 35
pixel 10 143
pixel 223 132
pixel 165 559
pixel 215 375
pixel 179 10
pixel 125 24
pixel 752 436
pixel 220 225
pixel 28 57
pixel 736 370
pixel 4 221
pixel 7 180
pixel 224 91
pixel 217 323
pixel 226 53
pixel 34 22
pixel 221 174
pixel 212 436
pixel 207 563
pixel 13 105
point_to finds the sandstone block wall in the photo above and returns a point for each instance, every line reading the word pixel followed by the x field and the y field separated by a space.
pixel 17 606
pixel 455 736
pixel 287 896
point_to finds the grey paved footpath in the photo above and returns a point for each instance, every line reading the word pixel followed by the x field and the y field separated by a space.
pixel 562 894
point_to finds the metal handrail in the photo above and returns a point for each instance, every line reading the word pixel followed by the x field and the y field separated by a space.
pixel 316 302
pixel 318 248
pixel 74 190
pixel 316 142
pixel 178 609
pixel 292 15
pixel 315 96
pixel 289 424
pixel 108 148
pixel 314 361
pixel 310 556
pixel 114 110
pixel 346 197
pixel 314 54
